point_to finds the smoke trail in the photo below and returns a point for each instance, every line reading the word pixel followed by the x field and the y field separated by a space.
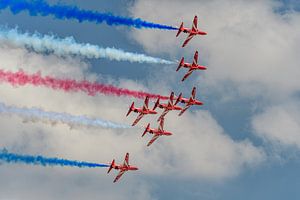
pixel 68 46
pixel 40 7
pixel 35 113
pixel 40 160
pixel 20 78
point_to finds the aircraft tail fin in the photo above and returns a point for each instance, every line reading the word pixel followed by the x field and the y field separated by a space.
pixel 180 64
pixel 112 165
pixel 180 29
pixel 130 109
pixel 146 129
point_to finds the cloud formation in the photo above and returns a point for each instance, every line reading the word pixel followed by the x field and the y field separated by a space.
pixel 279 124
pixel 195 145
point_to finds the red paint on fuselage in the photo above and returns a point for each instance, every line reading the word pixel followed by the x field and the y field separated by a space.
pixel 169 107
pixel 194 66
pixel 159 132
pixel 191 101
pixel 143 111
pixel 188 30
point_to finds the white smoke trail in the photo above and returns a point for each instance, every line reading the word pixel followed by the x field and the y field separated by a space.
pixel 68 46
pixel 36 114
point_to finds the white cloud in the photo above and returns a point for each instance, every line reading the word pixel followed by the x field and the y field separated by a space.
pixel 279 124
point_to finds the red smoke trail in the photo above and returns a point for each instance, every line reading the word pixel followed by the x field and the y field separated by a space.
pixel 68 85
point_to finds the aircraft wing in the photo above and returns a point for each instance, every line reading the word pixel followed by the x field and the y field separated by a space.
pixel 194 92
pixel 195 22
pixel 152 140
pixel 139 117
pixel 126 160
pixel 187 74
pixel 119 176
pixel 183 110
pixel 188 39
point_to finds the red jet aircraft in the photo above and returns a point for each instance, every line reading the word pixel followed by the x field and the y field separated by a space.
pixel 192 67
pixel 142 111
pixel 167 106
pixel 157 132
pixel 188 102
pixel 123 168
pixel 192 32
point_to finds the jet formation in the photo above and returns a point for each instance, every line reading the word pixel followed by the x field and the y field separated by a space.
pixel 172 103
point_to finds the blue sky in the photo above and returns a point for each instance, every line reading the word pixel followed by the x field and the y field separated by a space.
pixel 234 99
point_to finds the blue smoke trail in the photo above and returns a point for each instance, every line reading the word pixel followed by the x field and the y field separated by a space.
pixel 40 160
pixel 40 7
pixel 68 46
pixel 71 120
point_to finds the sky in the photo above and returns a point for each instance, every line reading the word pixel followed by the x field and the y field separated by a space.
pixel 242 144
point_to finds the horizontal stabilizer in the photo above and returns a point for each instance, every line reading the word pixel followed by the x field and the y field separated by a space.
pixel 156 103
pixel 180 29
pixel 111 165
pixel 146 129
pixel 178 99
pixel 130 109
pixel 180 64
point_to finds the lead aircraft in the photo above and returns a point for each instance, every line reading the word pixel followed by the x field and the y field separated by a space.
pixel 156 132
pixel 191 66
pixel 142 111
pixel 192 32
pixel 188 101
pixel 166 106
pixel 123 168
